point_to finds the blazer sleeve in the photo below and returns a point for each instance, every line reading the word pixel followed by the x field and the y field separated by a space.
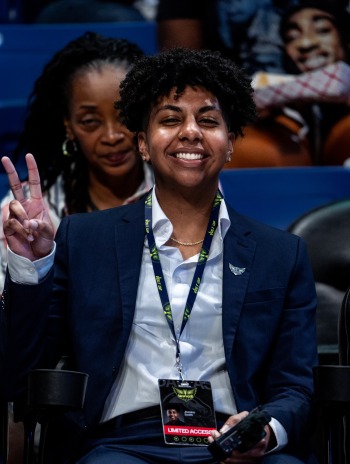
pixel 32 330
pixel 289 377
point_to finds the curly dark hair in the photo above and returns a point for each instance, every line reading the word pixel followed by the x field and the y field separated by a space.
pixel 154 76
pixel 44 131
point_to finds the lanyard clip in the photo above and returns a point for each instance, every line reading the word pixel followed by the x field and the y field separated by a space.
pixel 179 367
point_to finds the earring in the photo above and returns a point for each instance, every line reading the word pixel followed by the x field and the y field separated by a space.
pixel 65 147
pixel 228 159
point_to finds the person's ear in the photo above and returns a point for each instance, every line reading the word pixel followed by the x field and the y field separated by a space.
pixel 231 144
pixel 143 146
pixel 68 128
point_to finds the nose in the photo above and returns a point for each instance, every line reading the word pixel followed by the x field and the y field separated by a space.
pixel 307 42
pixel 114 132
pixel 190 130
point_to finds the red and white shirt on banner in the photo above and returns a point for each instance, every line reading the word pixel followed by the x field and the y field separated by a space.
pixel 329 84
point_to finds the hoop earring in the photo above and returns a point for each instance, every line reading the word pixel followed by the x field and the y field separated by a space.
pixel 65 147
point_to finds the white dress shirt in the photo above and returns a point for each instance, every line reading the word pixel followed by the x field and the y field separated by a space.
pixel 150 353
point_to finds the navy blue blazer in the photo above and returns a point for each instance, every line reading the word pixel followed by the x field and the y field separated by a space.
pixel 87 305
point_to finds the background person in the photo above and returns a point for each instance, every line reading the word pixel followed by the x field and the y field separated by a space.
pixel 86 157
pixel 248 328
pixel 315 34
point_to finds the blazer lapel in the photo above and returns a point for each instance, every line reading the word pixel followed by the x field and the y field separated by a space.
pixel 238 256
pixel 129 237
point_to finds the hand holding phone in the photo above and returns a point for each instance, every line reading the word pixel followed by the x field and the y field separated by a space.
pixel 241 437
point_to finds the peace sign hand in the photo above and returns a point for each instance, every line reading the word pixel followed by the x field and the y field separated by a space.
pixel 28 229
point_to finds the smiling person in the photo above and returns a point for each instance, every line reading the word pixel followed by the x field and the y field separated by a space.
pixel 87 158
pixel 173 413
pixel 315 34
pixel 176 290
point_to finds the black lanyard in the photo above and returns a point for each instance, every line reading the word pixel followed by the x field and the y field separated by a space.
pixel 197 277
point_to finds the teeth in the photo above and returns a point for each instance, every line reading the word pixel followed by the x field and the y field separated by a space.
pixel 315 62
pixel 189 156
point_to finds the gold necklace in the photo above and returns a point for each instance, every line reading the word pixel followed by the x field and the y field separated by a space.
pixel 186 243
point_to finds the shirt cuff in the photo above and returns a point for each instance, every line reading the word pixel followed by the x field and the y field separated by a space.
pixel 280 434
pixel 24 271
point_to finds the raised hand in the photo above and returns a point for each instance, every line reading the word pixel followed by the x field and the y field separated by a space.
pixel 28 229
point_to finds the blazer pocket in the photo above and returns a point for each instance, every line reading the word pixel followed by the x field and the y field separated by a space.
pixel 269 294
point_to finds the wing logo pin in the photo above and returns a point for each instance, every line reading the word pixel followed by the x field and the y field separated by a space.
pixel 236 270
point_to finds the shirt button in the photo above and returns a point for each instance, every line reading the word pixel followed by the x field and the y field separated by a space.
pixel 31 270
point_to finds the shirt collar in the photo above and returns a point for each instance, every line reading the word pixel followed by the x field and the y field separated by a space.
pixel 163 229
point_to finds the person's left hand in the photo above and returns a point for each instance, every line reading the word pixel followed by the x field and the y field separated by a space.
pixel 255 454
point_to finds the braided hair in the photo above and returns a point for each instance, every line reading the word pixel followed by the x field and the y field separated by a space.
pixel 153 77
pixel 48 104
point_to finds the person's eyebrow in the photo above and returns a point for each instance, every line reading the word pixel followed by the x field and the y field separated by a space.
pixel 168 107
pixel 203 109
pixel 292 24
pixel 322 16
pixel 87 107
pixel 207 108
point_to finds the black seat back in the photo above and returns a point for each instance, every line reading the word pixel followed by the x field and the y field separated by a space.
pixel 326 231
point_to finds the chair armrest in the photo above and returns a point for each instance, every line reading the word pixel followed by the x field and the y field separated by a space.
pixel 54 389
pixel 332 387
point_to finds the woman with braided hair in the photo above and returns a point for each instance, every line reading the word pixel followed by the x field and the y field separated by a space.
pixel 86 157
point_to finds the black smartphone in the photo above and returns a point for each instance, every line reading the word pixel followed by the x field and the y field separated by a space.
pixel 241 437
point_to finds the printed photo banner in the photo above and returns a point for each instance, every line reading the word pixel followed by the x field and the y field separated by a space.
pixel 329 84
